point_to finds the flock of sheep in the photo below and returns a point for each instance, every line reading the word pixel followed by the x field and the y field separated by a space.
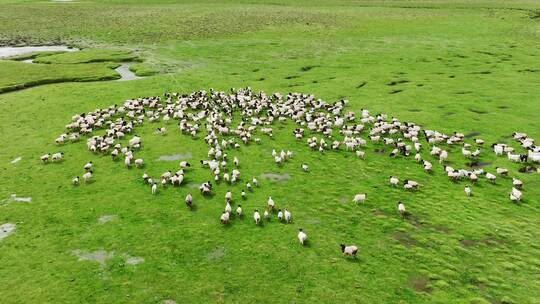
pixel 329 126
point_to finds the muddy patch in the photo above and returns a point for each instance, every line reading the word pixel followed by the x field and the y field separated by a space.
pixel 125 73
pixel 100 256
pixel 478 164
pixel 379 151
pixel 16 159
pixel 106 218
pixel 405 239
pixel 395 91
pixel 174 157
pixel 217 254
pixel 467 243
pixel 449 113
pixel 276 177
pixel 420 284
pixel 379 212
pixel 7 229
pixel 472 134
pixel 130 260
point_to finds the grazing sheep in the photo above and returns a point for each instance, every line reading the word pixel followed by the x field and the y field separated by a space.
pixel 473 177
pixel 189 200
pixel 87 176
pixel 236 161
pixel 443 156
pixel 224 218
pixel 184 164
pixel 302 236
pixel 228 195
pixel 56 157
pixel 154 188
pixel 255 182
pixel 468 190
pixel 349 250
pixel 492 178
pixel 394 181
pixel 228 207
pixel 359 198
pixel 517 183
pixel 427 166
pixel 409 184
pixel 45 157
pixel 239 211
pixel 266 215
pixel 270 203
pixel 280 215
pixel 360 154
pixel 287 215
pixel 138 162
pixel 479 141
pixel 75 181
pixel 501 171
pixel 257 217
pixel 515 195
pixel 88 166
pixel 401 209
pixel 305 167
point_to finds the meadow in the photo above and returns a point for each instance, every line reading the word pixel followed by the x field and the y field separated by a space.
pixel 468 66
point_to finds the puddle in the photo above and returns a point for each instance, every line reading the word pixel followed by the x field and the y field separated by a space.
pixel 6 229
pixel 100 256
pixel 16 160
pixel 14 51
pixel 15 198
pixel 106 218
pixel 276 177
pixel 174 157
pixel 133 260
pixel 125 73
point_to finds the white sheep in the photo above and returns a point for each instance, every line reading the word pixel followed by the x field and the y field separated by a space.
pixel 239 211
pixel 224 218
pixel 501 171
pixel 401 209
pixel 88 166
pixel 360 198
pixel 349 250
pixel 184 164
pixel 305 167
pixel 257 217
pixel 515 195
pixel 468 191
pixel 56 157
pixel 189 200
pixel 517 183
pixel 139 162
pixel 280 215
pixel 270 203
pixel 394 181
pixel 154 188
pixel 45 157
pixel 288 216
pixel 87 176
pixel 75 181
pixel 302 236
pixel 492 178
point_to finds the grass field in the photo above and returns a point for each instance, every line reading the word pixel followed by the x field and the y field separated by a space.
pixel 468 66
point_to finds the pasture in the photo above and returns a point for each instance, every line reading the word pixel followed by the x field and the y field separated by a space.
pixel 452 66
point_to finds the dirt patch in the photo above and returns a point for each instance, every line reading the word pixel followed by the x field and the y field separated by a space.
pixel 379 151
pixel 106 218
pixel 379 212
pixel 467 243
pixel 100 256
pixel 217 254
pixel 472 134
pixel 478 164
pixel 16 159
pixel 442 229
pixel 7 229
pixel 405 239
pixel 174 157
pixel 276 177
pixel 420 284
pixel 130 260
pixel 493 241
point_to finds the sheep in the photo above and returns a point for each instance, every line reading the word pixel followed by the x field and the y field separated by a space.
pixel 189 201
pixel 228 207
pixel 184 164
pixel 513 157
pixel 305 167
pixel 302 236
pixel 288 216
pixel 401 210
pixel 255 182
pixel 45 157
pixel 394 181
pixel 270 203
pixel 248 186
pixel 515 195
pixel 239 211
pixel 359 198
pixel 87 176
pixel 468 191
pixel 517 183
pixel 360 154
pixel 443 156
pixel 154 188
pixel 88 166
pixel 56 157
pixel 280 215
pixel 224 218
pixel 257 217
pixel 501 171
pixel 473 177
pixel 409 184
pixel 266 215
pixel 479 141
pixel 138 162
pixel 492 178
pixel 236 161
pixel 427 166
pixel 349 250
pixel 228 196
pixel 75 181
pixel 418 157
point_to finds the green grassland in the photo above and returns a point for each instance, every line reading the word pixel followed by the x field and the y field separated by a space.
pixel 469 66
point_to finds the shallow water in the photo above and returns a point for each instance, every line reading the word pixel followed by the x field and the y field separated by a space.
pixel 7 229
pixel 125 73
pixel 174 157
pixel 14 51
